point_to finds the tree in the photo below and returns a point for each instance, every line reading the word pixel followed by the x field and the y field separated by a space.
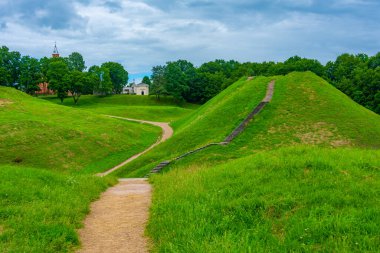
pixel 177 75
pixel 75 62
pixel 4 76
pixel 76 81
pixel 205 86
pixel 44 66
pixel 158 81
pixel 146 80
pixel 9 66
pixel 30 74
pixel 358 76
pixel 297 63
pixel 119 76
pixel 101 80
pixel 374 61
pixel 56 74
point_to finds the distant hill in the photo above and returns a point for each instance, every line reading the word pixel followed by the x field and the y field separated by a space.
pixel 150 108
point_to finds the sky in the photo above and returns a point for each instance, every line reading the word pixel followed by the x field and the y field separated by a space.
pixel 144 33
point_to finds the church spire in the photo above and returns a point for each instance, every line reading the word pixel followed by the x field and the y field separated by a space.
pixel 55 51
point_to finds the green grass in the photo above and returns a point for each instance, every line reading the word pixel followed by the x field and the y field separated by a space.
pixel 305 110
pixel 41 210
pixel 39 134
pixel 288 200
pixel 48 155
pixel 137 107
pixel 210 123
pixel 303 176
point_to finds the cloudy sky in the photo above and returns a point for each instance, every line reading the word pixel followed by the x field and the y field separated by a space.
pixel 143 33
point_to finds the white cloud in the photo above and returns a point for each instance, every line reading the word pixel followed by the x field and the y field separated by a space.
pixel 140 35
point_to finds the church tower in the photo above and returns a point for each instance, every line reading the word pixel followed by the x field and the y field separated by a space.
pixel 55 51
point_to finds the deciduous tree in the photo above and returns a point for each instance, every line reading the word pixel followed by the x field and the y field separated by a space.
pixel 30 74
pixel 119 76
pixel 75 62
pixel 101 80
pixel 56 74
pixel 146 80
pixel 158 81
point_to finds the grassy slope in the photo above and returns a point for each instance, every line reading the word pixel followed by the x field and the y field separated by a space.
pixel 137 107
pixel 210 123
pixel 39 134
pixel 305 110
pixel 42 146
pixel 291 199
pixel 288 200
pixel 40 210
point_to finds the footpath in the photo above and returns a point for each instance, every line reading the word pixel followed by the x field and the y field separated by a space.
pixel 117 220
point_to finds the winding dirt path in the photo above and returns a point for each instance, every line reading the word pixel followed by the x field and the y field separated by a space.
pixel 167 132
pixel 117 220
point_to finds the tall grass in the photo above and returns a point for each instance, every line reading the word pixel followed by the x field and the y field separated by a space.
pixel 288 200
pixel 41 210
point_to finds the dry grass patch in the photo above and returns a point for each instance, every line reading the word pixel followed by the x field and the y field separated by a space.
pixel 4 102
pixel 320 133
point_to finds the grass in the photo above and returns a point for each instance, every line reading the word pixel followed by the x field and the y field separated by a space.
pixel 210 123
pixel 40 210
pixel 305 110
pixel 137 107
pixel 48 155
pixel 297 199
pixel 36 133
pixel 303 176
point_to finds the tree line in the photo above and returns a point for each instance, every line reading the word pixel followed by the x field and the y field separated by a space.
pixel 358 76
pixel 65 75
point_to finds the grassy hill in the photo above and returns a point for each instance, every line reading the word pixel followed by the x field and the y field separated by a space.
pixel 305 110
pixel 304 199
pixel 304 176
pixel 40 134
pixel 138 107
pixel 48 155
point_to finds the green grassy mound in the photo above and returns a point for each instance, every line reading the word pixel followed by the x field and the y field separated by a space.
pixel 305 110
pixel 39 134
pixel 40 210
pixel 308 110
pixel 288 200
pixel 138 107
pixel 210 123
pixel 303 177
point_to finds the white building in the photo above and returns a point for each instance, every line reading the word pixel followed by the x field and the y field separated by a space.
pixel 137 89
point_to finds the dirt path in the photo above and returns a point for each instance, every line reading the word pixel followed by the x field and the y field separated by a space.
pixel 117 220
pixel 167 132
